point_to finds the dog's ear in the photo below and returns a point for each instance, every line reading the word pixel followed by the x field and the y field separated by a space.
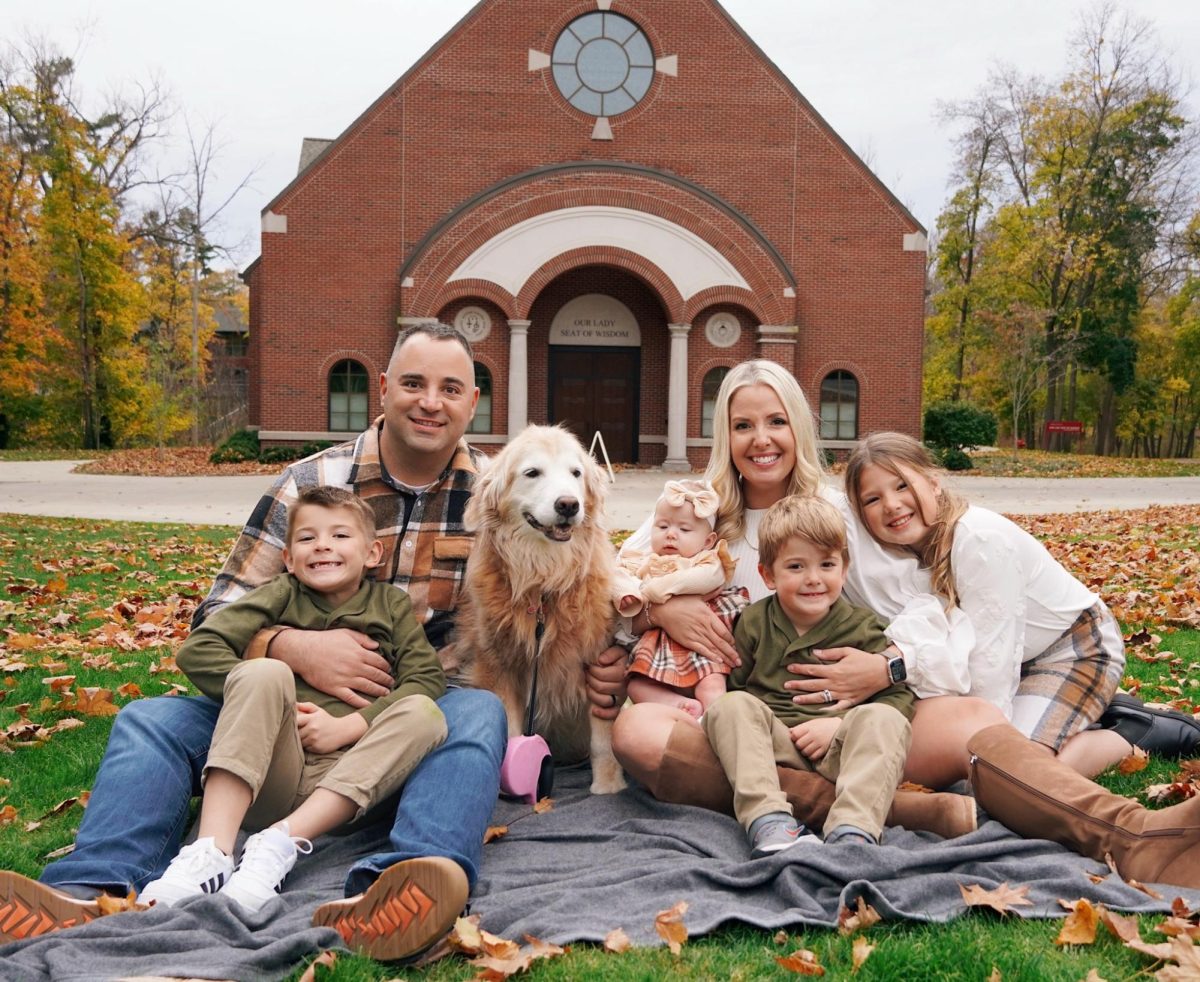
pixel 595 483
pixel 483 508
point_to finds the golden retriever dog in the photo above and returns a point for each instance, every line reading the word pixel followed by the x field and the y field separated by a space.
pixel 541 550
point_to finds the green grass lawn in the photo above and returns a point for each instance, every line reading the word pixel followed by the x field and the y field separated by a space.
pixel 1004 462
pixel 107 603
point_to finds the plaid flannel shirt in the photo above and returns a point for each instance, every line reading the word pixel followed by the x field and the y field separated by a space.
pixel 426 558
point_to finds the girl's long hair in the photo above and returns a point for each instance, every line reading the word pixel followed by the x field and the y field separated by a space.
pixel 723 475
pixel 891 451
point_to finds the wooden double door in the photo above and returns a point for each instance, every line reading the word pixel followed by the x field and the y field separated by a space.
pixel 597 389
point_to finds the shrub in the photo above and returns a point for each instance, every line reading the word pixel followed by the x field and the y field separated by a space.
pixel 285 455
pixel 955 460
pixel 958 425
pixel 242 445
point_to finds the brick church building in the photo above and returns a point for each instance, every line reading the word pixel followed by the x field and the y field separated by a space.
pixel 616 202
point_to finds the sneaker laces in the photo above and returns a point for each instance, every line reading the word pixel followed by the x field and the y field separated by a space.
pixel 195 857
pixel 262 856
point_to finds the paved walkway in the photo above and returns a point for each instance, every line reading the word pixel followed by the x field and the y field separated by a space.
pixel 50 488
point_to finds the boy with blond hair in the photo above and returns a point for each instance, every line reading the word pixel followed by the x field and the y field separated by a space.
pixel 287 758
pixel 803 557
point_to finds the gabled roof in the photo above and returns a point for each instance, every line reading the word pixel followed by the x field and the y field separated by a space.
pixel 312 155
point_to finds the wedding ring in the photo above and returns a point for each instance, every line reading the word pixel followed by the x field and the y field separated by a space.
pixel 613 697
pixel 828 696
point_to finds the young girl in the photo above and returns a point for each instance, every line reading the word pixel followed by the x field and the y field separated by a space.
pixel 685 558
pixel 1047 651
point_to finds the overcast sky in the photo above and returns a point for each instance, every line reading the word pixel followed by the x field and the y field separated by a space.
pixel 269 73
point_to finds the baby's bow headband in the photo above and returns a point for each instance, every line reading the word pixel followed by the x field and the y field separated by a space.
pixel 698 494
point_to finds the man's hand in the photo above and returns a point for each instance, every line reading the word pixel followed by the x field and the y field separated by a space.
pixel 321 733
pixel 689 621
pixel 814 737
pixel 341 663
pixel 849 674
pixel 606 683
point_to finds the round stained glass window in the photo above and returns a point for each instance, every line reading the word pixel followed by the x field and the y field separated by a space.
pixel 602 64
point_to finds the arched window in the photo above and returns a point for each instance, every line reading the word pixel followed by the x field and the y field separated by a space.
pixel 482 422
pixel 839 406
pixel 708 398
pixel 347 397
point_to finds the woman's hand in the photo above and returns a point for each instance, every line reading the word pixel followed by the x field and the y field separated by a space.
pixel 850 675
pixel 813 737
pixel 322 733
pixel 689 621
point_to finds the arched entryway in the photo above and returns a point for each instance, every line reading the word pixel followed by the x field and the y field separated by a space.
pixel 605 332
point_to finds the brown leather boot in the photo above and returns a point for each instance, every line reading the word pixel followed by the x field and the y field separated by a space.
pixel 690 774
pixel 1024 786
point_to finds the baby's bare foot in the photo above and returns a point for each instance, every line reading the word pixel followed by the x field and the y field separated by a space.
pixel 690 706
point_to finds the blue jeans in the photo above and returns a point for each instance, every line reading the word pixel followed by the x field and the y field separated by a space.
pixel 151 769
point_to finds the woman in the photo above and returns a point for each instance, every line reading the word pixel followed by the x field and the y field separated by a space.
pixel 764 448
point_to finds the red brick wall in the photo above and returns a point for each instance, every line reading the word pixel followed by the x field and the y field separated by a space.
pixel 470 116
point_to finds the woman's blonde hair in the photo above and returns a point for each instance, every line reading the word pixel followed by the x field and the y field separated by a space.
pixel 724 476
pixel 891 451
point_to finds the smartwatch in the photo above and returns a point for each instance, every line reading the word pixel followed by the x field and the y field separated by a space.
pixel 897 673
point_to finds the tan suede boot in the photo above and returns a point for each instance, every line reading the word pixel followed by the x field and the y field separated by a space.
pixel 690 774
pixel 1024 786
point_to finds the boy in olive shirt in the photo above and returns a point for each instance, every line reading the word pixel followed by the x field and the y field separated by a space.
pixel 803 557
pixel 286 753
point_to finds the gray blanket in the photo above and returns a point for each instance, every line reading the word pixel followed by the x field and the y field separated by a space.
pixel 590 865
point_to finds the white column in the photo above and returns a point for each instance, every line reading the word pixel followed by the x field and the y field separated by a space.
pixel 518 376
pixel 677 400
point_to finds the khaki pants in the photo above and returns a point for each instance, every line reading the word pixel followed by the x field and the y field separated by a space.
pixel 865 760
pixel 256 740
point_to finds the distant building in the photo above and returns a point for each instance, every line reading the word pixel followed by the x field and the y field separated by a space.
pixel 616 202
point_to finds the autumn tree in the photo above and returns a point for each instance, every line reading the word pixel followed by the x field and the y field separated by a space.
pixel 83 167
pixel 1087 178
pixel 25 332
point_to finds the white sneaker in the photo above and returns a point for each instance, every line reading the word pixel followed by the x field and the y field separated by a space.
pixel 267 858
pixel 198 868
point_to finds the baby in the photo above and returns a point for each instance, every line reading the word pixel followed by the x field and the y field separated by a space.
pixel 685 558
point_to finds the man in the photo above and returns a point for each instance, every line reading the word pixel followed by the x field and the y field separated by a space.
pixel 416 471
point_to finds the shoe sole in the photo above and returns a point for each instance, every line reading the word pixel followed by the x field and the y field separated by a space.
pixel 406 910
pixel 762 852
pixel 29 909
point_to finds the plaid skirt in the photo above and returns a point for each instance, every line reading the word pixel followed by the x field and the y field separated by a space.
pixel 1066 688
pixel 658 657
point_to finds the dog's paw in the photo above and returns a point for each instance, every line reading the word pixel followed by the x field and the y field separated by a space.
pixel 607 777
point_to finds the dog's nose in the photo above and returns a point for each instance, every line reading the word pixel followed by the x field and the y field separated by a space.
pixel 566 507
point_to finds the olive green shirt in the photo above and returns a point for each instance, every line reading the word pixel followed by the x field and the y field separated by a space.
pixel 767 643
pixel 379 610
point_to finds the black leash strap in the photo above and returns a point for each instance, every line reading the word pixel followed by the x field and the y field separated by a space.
pixel 538 631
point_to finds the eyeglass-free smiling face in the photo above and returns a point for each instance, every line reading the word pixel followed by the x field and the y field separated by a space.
pixel 807 579
pixel 761 444
pixel 898 506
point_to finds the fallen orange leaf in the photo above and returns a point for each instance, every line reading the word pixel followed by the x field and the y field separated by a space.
pixel 326 959
pixel 1124 928
pixel 494 832
pixel 861 952
pixel 93 701
pixel 861 918
pixel 1002 899
pixel 1080 925
pixel 803 962
pixel 670 927
pixel 8 815
pixel 1135 762
pixel 617 941
pixel 544 805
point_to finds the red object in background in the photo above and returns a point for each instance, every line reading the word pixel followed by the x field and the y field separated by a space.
pixel 1074 427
